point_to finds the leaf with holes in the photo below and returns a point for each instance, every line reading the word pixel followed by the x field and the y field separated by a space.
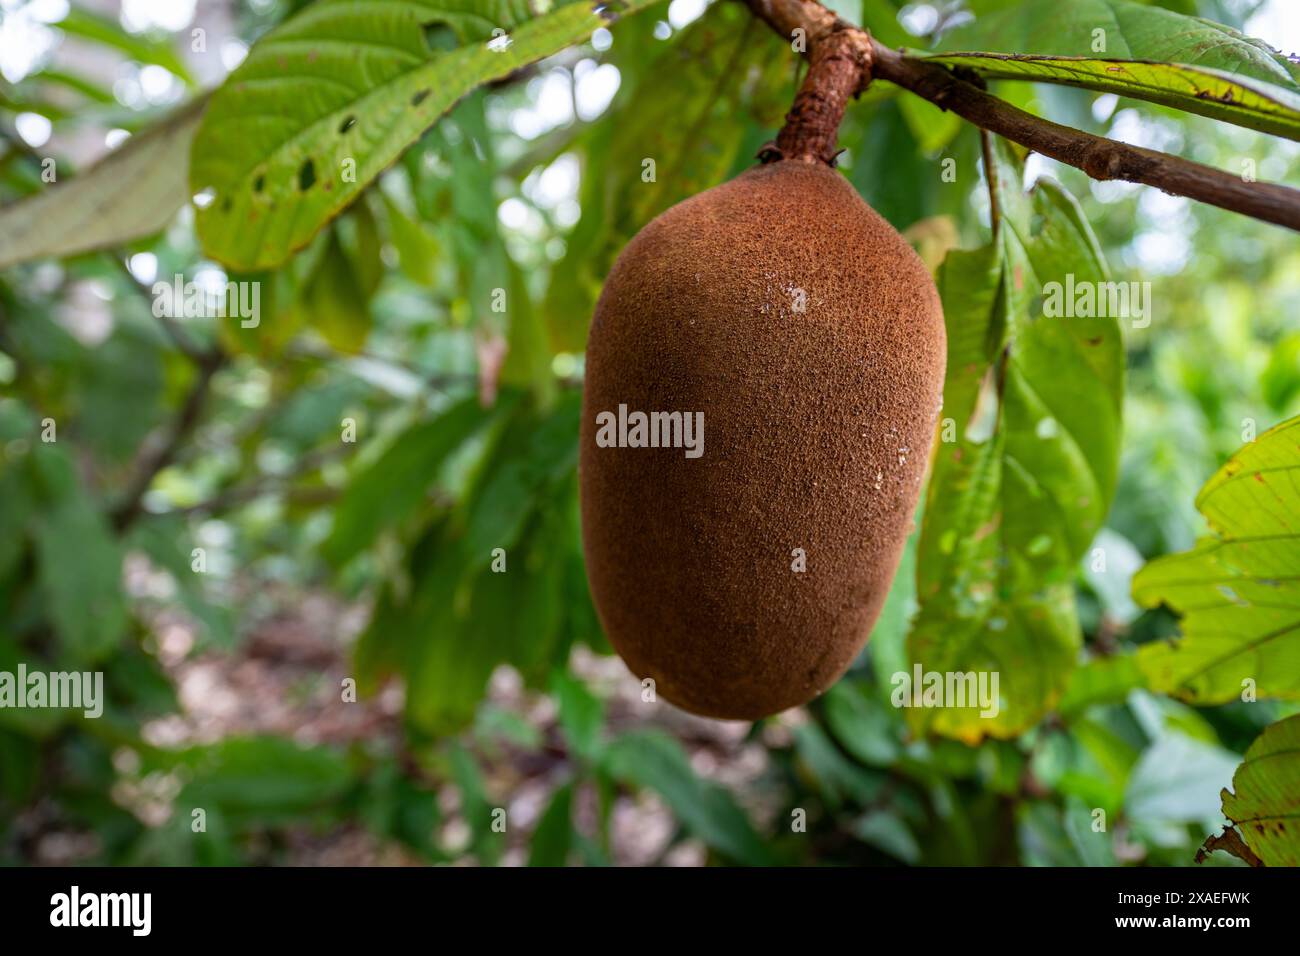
pixel 1238 591
pixel 1130 49
pixel 1221 96
pixel 1035 399
pixel 1264 801
pixel 331 98
pixel 132 192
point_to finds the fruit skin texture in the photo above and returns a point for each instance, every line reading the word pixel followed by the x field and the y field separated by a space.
pixel 817 430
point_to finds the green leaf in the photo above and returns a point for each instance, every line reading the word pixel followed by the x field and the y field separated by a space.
pixel 1238 591
pixel 16 492
pixel 475 807
pixel 1033 402
pixel 1264 802
pixel 417 248
pixel 887 648
pixel 394 485
pixel 89 26
pixel 582 714
pixel 133 192
pixel 262 779
pixel 861 724
pixel 396 808
pixel 934 128
pixel 528 354
pixel 655 761
pixel 1130 31
pixel 1220 96
pixel 79 562
pixel 476 19
pixel 1102 680
pixel 1280 382
pixel 535 453
pixel 335 301
pixel 1043 838
pixel 1149 54
pixel 1177 779
pixel 461 618
pixel 554 834
pixel 20 767
pixel 838 779
pixel 881 18
pixel 888 832
pixel 166 539
pixel 91 89
pixel 331 98
pixel 1101 764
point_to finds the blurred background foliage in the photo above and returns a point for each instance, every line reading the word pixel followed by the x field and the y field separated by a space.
pixel 233 524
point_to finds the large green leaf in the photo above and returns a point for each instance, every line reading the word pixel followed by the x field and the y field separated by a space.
pixel 95 28
pixel 1264 801
pixel 1177 780
pixel 79 561
pixel 1238 591
pixel 1102 680
pixel 458 617
pixel 1220 96
pixel 395 483
pixel 1149 53
pixel 262 779
pixel 334 300
pixel 475 805
pixel 1131 31
pixel 133 192
pixel 554 833
pixel 331 98
pixel 1015 500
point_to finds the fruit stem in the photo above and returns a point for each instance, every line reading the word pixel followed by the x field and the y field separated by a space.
pixel 1098 157
pixel 839 68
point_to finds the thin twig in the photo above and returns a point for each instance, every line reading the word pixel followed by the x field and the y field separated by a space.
pixel 184 344
pixel 1097 156
pixel 153 460
pixel 269 484
pixel 995 208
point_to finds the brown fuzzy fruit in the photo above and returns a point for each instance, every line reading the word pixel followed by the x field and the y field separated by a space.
pixel 810 336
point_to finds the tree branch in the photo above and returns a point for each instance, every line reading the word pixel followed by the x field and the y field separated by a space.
pixel 1097 156
pixel 179 338
pixel 154 460
pixel 266 484
pixel 839 68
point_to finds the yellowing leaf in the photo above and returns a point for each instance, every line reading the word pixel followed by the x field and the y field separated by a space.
pixel 1264 802
pixel 1238 591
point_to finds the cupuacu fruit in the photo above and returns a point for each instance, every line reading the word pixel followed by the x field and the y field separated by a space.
pixel 810 336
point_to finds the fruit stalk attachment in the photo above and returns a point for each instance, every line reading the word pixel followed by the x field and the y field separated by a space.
pixel 1098 157
pixel 839 68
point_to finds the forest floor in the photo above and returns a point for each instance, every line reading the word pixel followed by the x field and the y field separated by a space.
pixel 284 676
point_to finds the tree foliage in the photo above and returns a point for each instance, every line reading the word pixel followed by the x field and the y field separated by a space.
pixel 425 197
